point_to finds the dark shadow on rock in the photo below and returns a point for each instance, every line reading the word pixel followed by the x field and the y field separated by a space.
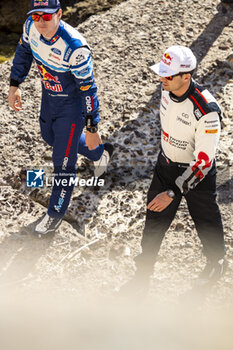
pixel 211 33
pixel 225 191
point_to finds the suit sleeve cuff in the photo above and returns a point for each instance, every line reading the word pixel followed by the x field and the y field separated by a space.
pixel 14 82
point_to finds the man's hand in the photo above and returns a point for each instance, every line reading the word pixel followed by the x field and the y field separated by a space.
pixel 160 202
pixel 14 98
pixel 93 140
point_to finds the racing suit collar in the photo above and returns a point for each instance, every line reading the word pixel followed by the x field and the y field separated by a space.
pixel 178 99
pixel 54 38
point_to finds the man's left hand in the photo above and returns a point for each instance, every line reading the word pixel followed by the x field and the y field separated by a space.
pixel 160 202
pixel 92 140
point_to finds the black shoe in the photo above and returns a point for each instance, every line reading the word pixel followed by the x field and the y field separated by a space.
pixel 211 273
pixel 43 226
pixel 101 165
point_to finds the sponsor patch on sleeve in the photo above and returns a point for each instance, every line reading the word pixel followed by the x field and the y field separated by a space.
pixel 85 88
pixel 211 131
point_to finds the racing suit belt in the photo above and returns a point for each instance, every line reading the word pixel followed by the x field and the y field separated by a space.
pixel 171 163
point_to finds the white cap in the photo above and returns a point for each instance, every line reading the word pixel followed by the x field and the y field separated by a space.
pixel 176 59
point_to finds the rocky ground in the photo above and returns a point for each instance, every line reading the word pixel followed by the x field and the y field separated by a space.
pixel 126 40
pixel 74 11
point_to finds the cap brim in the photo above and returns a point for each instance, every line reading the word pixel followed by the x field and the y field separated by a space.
pixel 162 70
pixel 155 68
pixel 43 10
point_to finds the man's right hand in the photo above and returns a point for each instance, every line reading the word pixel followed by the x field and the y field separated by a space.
pixel 14 98
pixel 160 202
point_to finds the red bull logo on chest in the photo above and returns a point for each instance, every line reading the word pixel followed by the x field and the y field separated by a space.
pixel 48 78
pixel 167 59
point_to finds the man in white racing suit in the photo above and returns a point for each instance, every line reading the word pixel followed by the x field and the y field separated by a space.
pixel 190 130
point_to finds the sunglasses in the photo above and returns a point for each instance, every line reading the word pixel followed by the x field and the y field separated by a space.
pixel 46 17
pixel 173 76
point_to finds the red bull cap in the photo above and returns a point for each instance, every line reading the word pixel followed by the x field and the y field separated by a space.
pixel 176 59
pixel 48 6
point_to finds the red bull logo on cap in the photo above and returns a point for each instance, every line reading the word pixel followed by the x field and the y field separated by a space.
pixel 46 78
pixel 167 59
pixel 40 3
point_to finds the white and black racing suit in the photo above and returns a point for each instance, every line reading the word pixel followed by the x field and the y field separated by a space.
pixel 190 129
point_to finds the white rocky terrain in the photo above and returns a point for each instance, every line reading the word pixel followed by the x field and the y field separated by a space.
pixel 125 40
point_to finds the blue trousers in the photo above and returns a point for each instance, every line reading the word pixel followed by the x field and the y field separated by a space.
pixel 61 126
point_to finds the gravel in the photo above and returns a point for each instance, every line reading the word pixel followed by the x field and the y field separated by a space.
pixel 125 40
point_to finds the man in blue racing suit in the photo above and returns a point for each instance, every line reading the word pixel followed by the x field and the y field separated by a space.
pixel 69 100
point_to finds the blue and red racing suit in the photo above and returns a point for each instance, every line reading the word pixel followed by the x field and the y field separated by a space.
pixel 69 99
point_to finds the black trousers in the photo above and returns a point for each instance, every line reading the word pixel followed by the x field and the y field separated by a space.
pixel 202 207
